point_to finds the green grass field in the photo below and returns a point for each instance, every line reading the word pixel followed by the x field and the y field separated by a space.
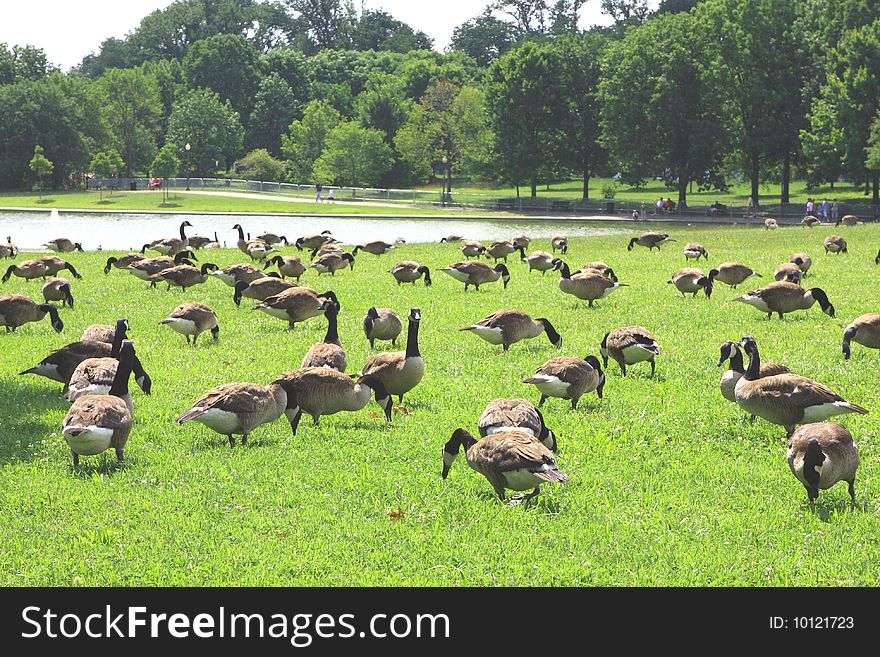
pixel 670 484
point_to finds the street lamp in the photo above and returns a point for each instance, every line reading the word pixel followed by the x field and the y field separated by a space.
pixel 445 161
pixel 187 148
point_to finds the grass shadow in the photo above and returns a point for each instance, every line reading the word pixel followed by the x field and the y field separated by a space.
pixel 45 201
pixel 23 414
pixel 105 465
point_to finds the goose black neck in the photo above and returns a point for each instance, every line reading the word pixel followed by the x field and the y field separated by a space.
pixel 332 336
pixel 182 234
pixel 754 370
pixel 736 360
pixel 123 371
pixel 564 270
pixel 118 336
pixel 412 340
pixel 240 232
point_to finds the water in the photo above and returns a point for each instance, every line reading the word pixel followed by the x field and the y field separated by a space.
pixel 130 231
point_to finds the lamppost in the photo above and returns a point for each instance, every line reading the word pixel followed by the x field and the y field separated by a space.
pixel 187 148
pixel 445 192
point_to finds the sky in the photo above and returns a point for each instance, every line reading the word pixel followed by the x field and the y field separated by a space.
pixel 67 31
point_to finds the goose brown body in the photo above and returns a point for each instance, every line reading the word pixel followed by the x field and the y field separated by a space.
pixel 822 454
pixel 505 414
pixel 382 324
pixel 409 271
pixel 288 266
pixel 695 250
pixel 28 270
pixel 471 249
pixel 691 280
pixel 377 248
pixel 568 377
pixel 58 289
pixel 193 319
pixel 473 272
pixel 803 261
pixel 400 371
pixel 63 245
pixel 781 297
pixel 17 310
pixel 864 330
pixel 589 285
pixel 629 345
pixel 54 264
pixel 184 276
pixel 261 288
pixel 651 240
pixel 538 260
pixel 328 352
pixel 732 273
pixel 506 327
pixel 500 249
pixel 332 262
pixel 123 261
pixel 239 272
pixel 835 244
pixel 788 272
pixel 296 304
pixel 559 243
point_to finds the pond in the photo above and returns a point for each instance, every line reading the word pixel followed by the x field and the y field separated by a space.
pixel 129 231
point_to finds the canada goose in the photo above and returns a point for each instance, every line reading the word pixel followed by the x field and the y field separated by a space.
pixel 409 271
pixel 328 352
pixel 123 261
pixel 324 249
pixel 242 243
pixel 94 376
pixel 170 246
pixel 272 239
pixel 770 224
pixel 54 264
pixel 864 330
pixel 258 250
pixel 822 454
pixel 789 272
pixel 16 310
pixel 147 267
pixel 835 244
pixel 58 289
pixel 106 332
pixel 803 261
pixel 809 221
pixel 691 280
pixel 287 266
pixel 472 249
pixel 505 327
pixel 500 249
pixel 567 377
pixel 238 408
pixel 331 262
pixel 559 243
pixel 297 304
pixel 184 276
pixel 451 238
pixel 312 242
pixel 193 319
pixel 200 242
pixel 586 286
pixel 781 297
pixel 786 399
pixel 28 270
pixel 95 423
pixel 213 244
pixel 382 324
pixel 730 351
pixel 512 459
pixel 472 272
pixel 537 260
pixel 240 272
pixel 261 288
pixel 318 391
pixel 505 414
pixel 399 371
pixel 629 345
pixel 599 267
pixel 695 251
pixel 521 241
pixel 376 248
pixel 651 240
pixel 63 245
pixel 8 250
pixel 848 220
pixel 732 273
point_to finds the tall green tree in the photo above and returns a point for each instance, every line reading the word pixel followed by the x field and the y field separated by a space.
pixel 211 128
pixel 227 64
pixel 275 106
pixel 260 165
pixel 330 22
pixel 484 38
pixel 305 140
pixel 353 155
pixel 41 167
pixel 106 164
pixel 166 165
pixel 379 30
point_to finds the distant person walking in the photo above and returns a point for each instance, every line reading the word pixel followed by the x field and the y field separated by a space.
pixel 835 212
pixel 826 209
pixel 750 208
pixel 318 188
pixel 330 195
pixel 643 210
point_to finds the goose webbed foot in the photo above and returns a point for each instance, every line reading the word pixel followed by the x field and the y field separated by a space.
pixel 231 440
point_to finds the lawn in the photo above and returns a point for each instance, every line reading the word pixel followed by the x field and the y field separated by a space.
pixel 670 484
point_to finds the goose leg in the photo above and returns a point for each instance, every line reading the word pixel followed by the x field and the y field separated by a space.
pixel 653 366
pixel 574 403
pixel 75 459
pixel 543 399
pixel 244 438
pixel 852 491
pixel 294 422
pixel 231 440
pixel 120 456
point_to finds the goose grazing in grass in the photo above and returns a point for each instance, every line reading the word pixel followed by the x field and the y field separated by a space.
pixel 500 249
pixel 193 319
pixel 770 224
pixel 803 261
pixel 144 269
pixel 506 327
pixel 865 330
pixel 567 377
pixel 106 332
pixel 822 454
pixel 261 288
pixel 730 351
pixel 331 262
pixel 63 245
pixel 650 240
pixel 809 221
pixel 559 243
pixel 537 260
pixel 272 239
pixel 789 272
pixel 409 271
pixel 329 352
pixel 54 264
pixel 451 238
pixel 399 371
pixel 287 266
pixel 241 272
pixel 781 297
pixel 318 391
pixel 472 272
pixel 170 246
pixel 835 244
pixel 238 408
pixel 382 324
pixel 506 414
pixel 242 242
pixel 312 242
pixel 786 399
pixel 472 249
pixel 514 460
pixel 123 261
pixel 95 376
pixel 213 244
pixel 695 251
pixel 28 270
pixel 732 273
pixel 599 267
pixel 258 250
pixel 200 242
pixel 848 220
pixel 297 304
pixel 8 250
pixel 588 285
pixel 183 276
pixel 58 289
pixel 324 249
pixel 96 423
pixel 629 345
pixel 521 242
pixel 690 280
pixel 376 248
pixel 17 310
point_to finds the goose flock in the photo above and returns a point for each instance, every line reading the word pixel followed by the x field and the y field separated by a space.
pixel 515 449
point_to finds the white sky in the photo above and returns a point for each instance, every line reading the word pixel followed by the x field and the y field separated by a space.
pixel 68 30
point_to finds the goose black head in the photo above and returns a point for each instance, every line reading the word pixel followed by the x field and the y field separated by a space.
pixel 460 438
pixel 68 297
pixel 505 274
pixel 819 295
pixel 632 243
pixel 594 362
pixel 381 392
pixel 240 287
pixel 415 315
pixel 814 458
pixel 55 318
pixel 728 351
pixel 330 294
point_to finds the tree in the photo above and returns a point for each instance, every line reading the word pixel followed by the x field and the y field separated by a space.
pixel 529 16
pixel 354 155
pixel 823 144
pixel 676 6
pixel 275 107
pixel 40 166
pixel 166 165
pixel 330 22
pixel 210 126
pixel 293 67
pixel 260 165
pixel 626 11
pixel 305 140
pixel 227 64
pixel 379 30
pixel 484 38
pixel 872 162
pixel 106 164
pixel 564 16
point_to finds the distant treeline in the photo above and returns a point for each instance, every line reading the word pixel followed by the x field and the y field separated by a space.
pixel 317 91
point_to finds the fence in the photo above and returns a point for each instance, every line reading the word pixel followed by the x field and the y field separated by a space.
pixel 471 199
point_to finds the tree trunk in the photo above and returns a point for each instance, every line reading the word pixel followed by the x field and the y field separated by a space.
pixel 867 184
pixel 876 200
pixel 786 179
pixel 586 184
pixel 534 185
pixel 756 168
pixel 448 178
pixel 517 190
pixel 683 181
